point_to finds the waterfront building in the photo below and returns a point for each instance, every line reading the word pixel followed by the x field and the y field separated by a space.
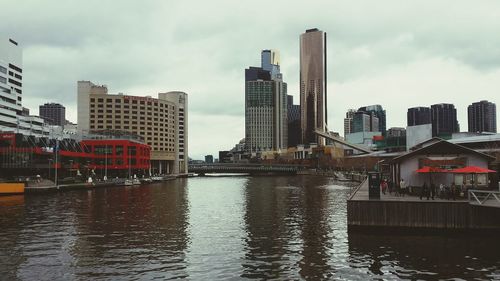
pixel 96 156
pixel 444 120
pixel 53 113
pixel 13 116
pixel 266 123
pixel 162 122
pixel 418 116
pixel 348 129
pixel 293 122
pixel 482 117
pixel 313 85
pixel 441 154
pixel 380 114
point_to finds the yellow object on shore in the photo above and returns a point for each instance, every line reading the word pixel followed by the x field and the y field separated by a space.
pixel 11 188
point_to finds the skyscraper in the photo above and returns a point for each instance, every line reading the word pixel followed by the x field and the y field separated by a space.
pixel 482 117
pixel 444 120
pixel 348 126
pixel 363 121
pixel 313 86
pixel 13 117
pixel 293 122
pixel 10 83
pixel 53 113
pixel 418 116
pixel 378 112
pixel 266 123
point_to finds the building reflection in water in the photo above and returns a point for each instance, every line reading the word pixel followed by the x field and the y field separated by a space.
pixel 287 227
pixel 143 229
pixel 11 213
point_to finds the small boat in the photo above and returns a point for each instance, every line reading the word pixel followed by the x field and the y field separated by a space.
pixel 128 182
pixel 146 180
pixel 136 182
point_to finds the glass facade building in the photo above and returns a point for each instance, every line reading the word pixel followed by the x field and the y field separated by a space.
pixel 313 86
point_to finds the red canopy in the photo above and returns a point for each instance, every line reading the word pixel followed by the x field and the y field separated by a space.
pixel 427 169
pixel 472 170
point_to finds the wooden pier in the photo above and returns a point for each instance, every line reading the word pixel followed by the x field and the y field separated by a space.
pixel 409 212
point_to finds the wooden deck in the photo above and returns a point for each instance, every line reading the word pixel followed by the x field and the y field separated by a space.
pixel 409 212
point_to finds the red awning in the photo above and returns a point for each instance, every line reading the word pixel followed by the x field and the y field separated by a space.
pixel 472 170
pixel 427 169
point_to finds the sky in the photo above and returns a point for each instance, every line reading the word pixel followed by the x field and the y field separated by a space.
pixel 399 54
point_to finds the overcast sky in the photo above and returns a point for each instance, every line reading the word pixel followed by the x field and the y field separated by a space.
pixel 399 54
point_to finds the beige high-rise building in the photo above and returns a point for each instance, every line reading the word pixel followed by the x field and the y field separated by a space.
pixel 313 94
pixel 162 122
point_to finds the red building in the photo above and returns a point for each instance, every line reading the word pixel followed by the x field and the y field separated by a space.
pixel 22 155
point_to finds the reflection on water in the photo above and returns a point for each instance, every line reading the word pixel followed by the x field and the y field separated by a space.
pixel 220 228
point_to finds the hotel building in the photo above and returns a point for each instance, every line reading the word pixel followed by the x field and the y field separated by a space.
pixel 162 122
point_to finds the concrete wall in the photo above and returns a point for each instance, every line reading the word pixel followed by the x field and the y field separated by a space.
pixel 417 134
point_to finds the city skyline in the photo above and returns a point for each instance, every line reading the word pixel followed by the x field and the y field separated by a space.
pixel 387 58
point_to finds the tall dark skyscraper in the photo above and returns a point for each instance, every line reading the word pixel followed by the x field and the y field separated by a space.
pixel 418 116
pixel 313 94
pixel 444 120
pixel 293 122
pixel 482 117
pixel 53 113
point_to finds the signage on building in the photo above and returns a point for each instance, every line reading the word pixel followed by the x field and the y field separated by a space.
pixel 442 162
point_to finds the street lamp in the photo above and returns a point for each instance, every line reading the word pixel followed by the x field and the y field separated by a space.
pixel 50 161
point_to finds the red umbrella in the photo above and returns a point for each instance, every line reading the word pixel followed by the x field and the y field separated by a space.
pixel 472 170
pixel 427 169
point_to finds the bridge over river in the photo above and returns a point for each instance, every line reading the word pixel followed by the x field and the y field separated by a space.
pixel 237 168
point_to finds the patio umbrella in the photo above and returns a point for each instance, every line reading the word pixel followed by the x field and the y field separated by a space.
pixel 472 170
pixel 430 170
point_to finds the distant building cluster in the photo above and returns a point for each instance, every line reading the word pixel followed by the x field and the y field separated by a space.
pixel 160 124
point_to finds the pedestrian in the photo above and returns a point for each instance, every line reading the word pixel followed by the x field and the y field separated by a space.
pixel 453 190
pixel 383 186
pixel 441 191
pixel 423 191
pixel 432 191
pixel 402 187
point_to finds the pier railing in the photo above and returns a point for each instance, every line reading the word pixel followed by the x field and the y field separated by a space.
pixel 484 198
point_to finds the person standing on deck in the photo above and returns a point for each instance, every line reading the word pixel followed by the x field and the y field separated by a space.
pixel 424 190
pixel 432 191
pixel 402 187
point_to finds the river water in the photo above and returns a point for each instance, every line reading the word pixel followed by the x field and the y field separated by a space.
pixel 216 228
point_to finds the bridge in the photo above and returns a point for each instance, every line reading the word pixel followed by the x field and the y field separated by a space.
pixel 238 168
pixel 359 148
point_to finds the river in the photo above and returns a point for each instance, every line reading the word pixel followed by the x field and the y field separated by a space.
pixel 216 228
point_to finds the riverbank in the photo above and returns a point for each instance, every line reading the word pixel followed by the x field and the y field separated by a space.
pixel 409 213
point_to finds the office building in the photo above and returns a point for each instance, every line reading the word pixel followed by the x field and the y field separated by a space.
pixel 482 117
pixel 53 114
pixel 13 117
pixel 162 122
pixel 293 122
pixel 348 129
pixel 418 116
pixel 209 159
pixel 266 126
pixel 444 120
pixel 363 121
pixel 313 85
pixel 377 111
